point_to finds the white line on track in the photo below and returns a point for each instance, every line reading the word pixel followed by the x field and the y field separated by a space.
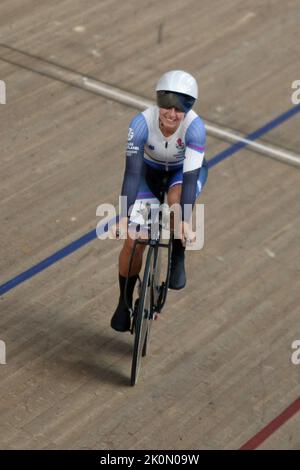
pixel 57 72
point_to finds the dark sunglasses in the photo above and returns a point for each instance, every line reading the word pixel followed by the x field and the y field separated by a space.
pixel 179 101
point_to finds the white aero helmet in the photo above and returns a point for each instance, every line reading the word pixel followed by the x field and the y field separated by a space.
pixel 176 83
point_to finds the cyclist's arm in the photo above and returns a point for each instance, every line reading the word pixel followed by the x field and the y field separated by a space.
pixel 194 155
pixel 137 137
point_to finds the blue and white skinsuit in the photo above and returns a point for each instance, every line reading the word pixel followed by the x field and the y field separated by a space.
pixel 150 156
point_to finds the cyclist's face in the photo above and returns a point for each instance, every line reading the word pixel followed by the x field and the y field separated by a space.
pixel 170 118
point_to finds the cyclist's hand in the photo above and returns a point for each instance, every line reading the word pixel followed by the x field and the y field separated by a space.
pixel 119 230
pixel 185 233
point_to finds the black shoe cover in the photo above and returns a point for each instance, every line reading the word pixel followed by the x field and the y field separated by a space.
pixel 177 275
pixel 121 318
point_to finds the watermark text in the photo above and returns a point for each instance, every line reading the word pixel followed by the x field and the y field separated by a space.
pixel 295 358
pixel 296 94
pixel 2 92
pixel 2 352
pixel 147 216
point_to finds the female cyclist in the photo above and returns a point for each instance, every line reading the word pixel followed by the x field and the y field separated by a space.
pixel 165 153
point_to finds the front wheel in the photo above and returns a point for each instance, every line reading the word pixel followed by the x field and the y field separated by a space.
pixel 143 317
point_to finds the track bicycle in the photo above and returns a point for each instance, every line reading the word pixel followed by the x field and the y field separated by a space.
pixel 152 291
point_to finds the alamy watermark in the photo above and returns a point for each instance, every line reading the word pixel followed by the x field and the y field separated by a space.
pixel 296 94
pixel 2 352
pixel 295 358
pixel 145 217
pixel 2 92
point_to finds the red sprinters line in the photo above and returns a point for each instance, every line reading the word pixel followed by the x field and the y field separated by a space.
pixel 266 432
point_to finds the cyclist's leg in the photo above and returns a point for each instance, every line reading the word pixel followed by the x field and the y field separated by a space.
pixel 125 255
pixel 121 318
pixel 177 276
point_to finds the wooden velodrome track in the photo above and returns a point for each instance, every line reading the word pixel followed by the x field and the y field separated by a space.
pixel 220 368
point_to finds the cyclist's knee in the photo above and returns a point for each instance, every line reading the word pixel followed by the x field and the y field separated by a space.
pixel 174 194
pixel 129 244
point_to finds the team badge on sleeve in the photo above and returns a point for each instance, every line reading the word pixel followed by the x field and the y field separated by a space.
pixel 130 134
